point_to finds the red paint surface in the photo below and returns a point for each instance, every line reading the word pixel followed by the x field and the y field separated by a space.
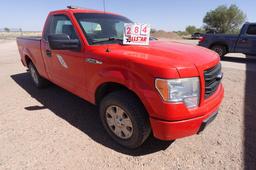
pixel 135 67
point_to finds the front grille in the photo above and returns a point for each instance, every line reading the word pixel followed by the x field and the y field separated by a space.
pixel 212 78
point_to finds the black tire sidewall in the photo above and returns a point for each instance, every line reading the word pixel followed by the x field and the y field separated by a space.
pixel 31 65
pixel 138 136
pixel 41 81
pixel 220 47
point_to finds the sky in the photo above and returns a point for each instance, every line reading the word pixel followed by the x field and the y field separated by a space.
pixel 168 15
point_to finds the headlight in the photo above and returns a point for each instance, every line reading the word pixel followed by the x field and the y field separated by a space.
pixel 185 90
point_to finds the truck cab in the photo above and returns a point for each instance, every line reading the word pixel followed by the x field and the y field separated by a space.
pixel 246 42
pixel 170 89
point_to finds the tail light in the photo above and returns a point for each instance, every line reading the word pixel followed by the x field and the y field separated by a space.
pixel 201 39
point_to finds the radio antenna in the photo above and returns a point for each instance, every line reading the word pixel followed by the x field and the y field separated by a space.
pixel 104 6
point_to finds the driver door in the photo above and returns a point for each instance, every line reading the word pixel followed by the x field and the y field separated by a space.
pixel 65 67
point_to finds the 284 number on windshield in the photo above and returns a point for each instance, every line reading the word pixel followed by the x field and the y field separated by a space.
pixel 136 34
pixel 137 29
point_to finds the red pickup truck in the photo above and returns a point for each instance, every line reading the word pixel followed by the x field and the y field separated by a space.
pixel 170 89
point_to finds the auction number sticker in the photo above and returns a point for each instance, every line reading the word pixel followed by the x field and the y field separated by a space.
pixel 136 34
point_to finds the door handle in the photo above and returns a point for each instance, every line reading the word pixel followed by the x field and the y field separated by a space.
pixel 48 53
pixel 93 61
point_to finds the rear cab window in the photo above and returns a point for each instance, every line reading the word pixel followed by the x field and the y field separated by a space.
pixel 251 30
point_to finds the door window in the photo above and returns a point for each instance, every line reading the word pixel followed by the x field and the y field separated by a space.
pixel 61 24
pixel 251 30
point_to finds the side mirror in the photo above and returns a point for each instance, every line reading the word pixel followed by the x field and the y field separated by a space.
pixel 63 42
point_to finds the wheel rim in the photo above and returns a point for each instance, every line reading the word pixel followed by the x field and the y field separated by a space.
pixel 34 74
pixel 119 122
pixel 219 50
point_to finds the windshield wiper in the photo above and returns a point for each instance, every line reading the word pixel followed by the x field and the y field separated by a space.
pixel 108 40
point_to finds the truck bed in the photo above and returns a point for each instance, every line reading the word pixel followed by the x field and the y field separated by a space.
pixel 31 46
pixel 229 40
pixel 34 38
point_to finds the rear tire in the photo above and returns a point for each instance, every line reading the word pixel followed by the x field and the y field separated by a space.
pixel 220 49
pixel 125 119
pixel 38 81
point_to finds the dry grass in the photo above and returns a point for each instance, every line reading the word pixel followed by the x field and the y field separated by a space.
pixel 164 34
pixel 14 35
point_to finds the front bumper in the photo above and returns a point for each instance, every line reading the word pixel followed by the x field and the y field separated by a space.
pixel 170 130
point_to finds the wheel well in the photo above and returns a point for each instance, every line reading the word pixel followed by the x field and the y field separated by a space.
pixel 108 88
pixel 220 44
pixel 27 60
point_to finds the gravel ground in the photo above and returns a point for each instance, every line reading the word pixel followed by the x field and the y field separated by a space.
pixel 53 129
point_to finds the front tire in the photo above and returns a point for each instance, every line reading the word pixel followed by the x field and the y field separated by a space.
pixel 38 81
pixel 125 119
pixel 220 49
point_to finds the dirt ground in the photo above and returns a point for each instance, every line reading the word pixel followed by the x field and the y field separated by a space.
pixel 53 129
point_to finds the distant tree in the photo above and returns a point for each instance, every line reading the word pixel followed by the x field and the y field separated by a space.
pixel 191 29
pixel 152 30
pixel 7 29
pixel 181 33
pixel 224 19
pixel 21 32
pixel 200 30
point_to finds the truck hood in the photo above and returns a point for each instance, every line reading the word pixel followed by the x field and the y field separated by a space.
pixel 169 54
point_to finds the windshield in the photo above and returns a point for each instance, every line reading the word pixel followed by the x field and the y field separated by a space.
pixel 102 28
